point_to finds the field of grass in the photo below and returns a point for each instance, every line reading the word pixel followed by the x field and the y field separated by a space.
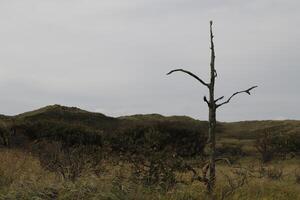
pixel 22 177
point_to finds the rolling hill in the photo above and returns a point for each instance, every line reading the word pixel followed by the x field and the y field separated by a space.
pixel 61 121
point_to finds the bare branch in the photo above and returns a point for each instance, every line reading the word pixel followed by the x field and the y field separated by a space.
pixel 191 74
pixel 218 99
pixel 196 176
pixel 226 160
pixel 205 99
pixel 214 73
pixel 233 184
pixel 236 93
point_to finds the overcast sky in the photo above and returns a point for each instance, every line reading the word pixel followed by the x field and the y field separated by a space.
pixel 111 56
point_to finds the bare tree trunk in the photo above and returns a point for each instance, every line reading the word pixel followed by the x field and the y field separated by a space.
pixel 212 120
pixel 212 149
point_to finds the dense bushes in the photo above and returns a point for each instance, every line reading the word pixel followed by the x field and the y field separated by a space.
pixel 152 149
pixel 233 152
pixel 155 150
pixel 230 150
pixel 286 143
pixel 181 138
pixel 275 144
pixel 71 134
pixel 169 137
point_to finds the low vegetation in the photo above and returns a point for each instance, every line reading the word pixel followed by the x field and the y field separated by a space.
pixel 49 156
pixel 22 176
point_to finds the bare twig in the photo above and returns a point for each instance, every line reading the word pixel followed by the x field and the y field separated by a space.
pixel 206 101
pixel 224 159
pixel 203 178
pixel 233 184
pixel 236 93
pixel 196 176
pixel 218 99
pixel 189 73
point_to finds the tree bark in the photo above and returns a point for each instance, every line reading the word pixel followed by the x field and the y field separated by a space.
pixel 212 120
pixel 212 150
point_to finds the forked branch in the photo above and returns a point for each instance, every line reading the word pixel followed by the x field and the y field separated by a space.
pixel 189 73
pixel 236 93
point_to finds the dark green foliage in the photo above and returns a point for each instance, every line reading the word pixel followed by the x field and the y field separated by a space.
pixel 168 137
pixel 72 126
pixel 286 143
pixel 155 150
pixel 69 134
pixel 183 134
pixel 5 134
pixel 71 115
pixel 277 144
pixel 230 150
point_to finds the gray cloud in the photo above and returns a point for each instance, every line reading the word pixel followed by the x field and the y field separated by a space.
pixel 112 55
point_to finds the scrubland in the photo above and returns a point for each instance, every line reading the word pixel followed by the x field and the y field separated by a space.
pixel 23 177
pixel 66 153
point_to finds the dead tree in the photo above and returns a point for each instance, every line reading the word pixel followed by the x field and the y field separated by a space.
pixel 213 105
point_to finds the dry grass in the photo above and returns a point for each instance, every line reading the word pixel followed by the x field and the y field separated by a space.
pixel 22 177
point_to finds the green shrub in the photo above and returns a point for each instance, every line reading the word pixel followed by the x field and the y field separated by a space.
pixel 169 137
pixel 230 150
pixel 69 134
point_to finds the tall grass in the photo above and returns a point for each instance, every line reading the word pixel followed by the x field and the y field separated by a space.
pixel 22 177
